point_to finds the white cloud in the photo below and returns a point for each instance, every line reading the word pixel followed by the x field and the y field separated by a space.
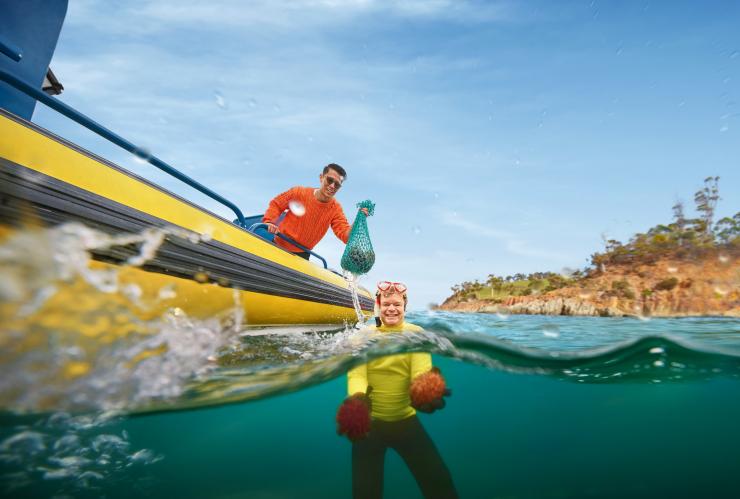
pixel 512 242
pixel 147 16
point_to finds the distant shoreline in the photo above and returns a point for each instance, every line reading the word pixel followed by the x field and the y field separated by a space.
pixel 670 288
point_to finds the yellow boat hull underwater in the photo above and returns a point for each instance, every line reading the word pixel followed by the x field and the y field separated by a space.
pixel 172 253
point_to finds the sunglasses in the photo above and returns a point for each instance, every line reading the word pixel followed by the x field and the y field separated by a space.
pixel 333 182
pixel 388 286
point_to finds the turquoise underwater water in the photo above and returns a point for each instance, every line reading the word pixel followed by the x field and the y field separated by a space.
pixel 541 407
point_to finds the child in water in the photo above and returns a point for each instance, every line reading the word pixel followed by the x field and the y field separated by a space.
pixel 380 412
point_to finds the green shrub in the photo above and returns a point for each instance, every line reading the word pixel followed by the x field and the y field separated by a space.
pixel 666 284
pixel 623 288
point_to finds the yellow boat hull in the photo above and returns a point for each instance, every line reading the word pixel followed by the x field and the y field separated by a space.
pixel 206 263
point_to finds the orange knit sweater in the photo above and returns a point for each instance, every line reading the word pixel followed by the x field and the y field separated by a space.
pixel 312 226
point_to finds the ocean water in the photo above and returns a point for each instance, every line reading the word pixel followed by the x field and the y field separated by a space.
pixel 542 407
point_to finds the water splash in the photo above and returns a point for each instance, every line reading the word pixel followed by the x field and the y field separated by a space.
pixel 72 336
pixel 353 282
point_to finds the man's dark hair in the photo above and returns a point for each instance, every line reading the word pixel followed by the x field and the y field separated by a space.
pixel 336 168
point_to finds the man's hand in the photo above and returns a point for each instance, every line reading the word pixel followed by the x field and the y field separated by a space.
pixel 272 228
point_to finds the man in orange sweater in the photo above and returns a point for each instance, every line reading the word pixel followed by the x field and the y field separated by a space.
pixel 311 211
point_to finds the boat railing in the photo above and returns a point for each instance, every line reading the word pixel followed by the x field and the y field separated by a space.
pixel 255 227
pixel 99 129
pixel 140 152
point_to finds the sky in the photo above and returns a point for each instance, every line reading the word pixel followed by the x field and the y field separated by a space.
pixel 494 137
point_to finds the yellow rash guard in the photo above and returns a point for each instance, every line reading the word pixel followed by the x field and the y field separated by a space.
pixel 390 378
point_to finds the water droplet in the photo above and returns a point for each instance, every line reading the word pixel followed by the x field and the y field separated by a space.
pixel 296 208
pixel 220 101
pixel 568 272
pixel 246 162
pixel 735 54
pixel 658 363
pixel 310 139
pixel 540 124
pixel 416 230
pixel 252 103
pixel 167 292
pixel 490 117
pixel 551 331
pixel 142 156
pixel 682 103
pixel 619 50
pixel 276 108
pixel 657 350
pixel 435 195
pixel 724 128
pixel 502 316
pixel 132 292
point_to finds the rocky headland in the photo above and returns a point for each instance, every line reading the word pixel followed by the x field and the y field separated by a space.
pixel 706 286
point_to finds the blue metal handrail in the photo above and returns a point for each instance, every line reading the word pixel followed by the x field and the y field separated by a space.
pixel 256 226
pixel 11 51
pixel 91 125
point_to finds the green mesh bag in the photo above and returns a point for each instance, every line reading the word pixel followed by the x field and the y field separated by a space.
pixel 359 256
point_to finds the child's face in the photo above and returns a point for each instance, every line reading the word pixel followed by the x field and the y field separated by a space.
pixel 391 309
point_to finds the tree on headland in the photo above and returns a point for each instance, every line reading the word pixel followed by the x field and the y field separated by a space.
pixel 706 202
pixel 683 238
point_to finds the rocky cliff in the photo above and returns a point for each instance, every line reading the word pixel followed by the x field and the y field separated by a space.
pixel 667 288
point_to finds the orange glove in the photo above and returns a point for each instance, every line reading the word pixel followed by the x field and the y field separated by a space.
pixel 427 391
